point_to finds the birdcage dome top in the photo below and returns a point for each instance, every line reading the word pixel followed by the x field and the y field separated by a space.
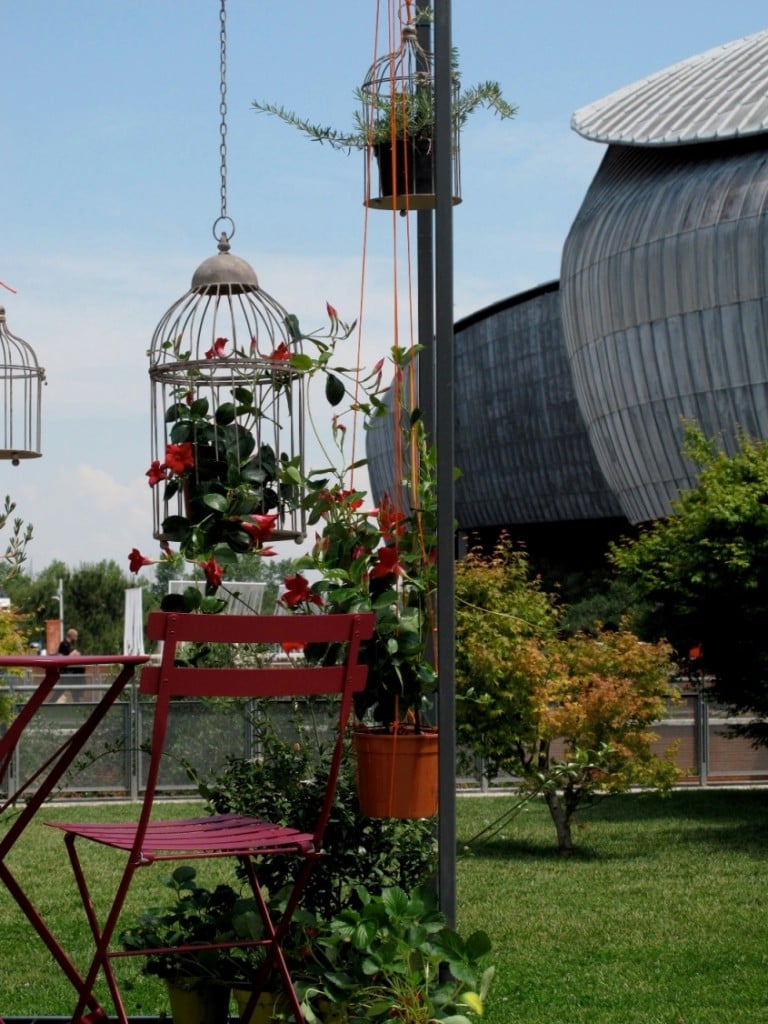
pixel 224 270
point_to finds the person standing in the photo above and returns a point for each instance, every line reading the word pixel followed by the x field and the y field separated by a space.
pixel 69 644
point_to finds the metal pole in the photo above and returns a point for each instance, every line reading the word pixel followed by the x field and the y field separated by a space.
pixel 425 278
pixel 444 436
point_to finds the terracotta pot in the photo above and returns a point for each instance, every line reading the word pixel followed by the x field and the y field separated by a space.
pixel 396 772
pixel 203 1004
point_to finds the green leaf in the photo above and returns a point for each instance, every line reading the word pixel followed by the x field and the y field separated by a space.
pixel 334 389
pixel 300 361
pixel 225 413
pixel 216 501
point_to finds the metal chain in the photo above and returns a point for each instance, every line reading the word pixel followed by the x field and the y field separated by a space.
pixel 223 108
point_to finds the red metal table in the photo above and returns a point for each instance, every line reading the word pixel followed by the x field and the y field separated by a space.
pixel 47 776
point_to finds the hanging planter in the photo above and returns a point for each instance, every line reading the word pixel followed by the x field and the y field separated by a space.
pixel 397 102
pixel 397 771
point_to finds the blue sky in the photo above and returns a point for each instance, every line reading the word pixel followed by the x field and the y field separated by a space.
pixel 110 188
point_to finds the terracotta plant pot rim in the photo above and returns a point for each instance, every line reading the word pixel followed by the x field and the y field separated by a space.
pixel 402 729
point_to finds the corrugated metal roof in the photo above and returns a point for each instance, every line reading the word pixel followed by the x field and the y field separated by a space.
pixel 720 94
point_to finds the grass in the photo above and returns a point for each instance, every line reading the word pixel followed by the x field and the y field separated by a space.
pixel 660 917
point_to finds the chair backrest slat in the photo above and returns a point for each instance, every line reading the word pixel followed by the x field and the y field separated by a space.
pixel 282 681
pixel 254 629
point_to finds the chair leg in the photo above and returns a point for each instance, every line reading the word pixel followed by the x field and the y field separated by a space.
pixel 275 958
pixel 102 938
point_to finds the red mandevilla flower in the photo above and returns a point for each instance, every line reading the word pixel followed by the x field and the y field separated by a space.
pixel 157 471
pixel 216 351
pixel 297 590
pixel 213 572
pixel 282 352
pixel 259 528
pixel 179 457
pixel 331 311
pixel 392 523
pixel 136 560
pixel 386 564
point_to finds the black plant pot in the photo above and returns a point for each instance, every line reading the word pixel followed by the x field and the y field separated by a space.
pixel 405 175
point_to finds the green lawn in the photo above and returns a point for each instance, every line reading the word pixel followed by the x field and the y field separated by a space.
pixel 661 917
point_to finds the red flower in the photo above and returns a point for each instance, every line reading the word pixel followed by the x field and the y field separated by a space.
pixel 216 351
pixel 297 590
pixel 213 572
pixel 387 563
pixel 136 560
pixel 281 352
pixel 331 311
pixel 156 472
pixel 259 528
pixel 392 523
pixel 179 457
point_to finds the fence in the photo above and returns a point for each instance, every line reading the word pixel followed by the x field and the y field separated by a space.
pixel 203 734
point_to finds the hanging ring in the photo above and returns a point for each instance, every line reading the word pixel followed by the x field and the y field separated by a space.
pixel 216 224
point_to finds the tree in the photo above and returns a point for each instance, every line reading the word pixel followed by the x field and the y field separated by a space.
pixel 526 691
pixel 94 602
pixel 704 571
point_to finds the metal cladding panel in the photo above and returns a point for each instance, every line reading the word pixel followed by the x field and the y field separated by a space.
pixel 521 444
pixel 720 94
pixel 664 292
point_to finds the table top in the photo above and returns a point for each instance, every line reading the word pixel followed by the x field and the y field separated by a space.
pixel 65 660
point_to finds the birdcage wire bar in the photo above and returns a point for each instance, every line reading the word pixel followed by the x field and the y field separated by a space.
pixel 21 385
pixel 398 117
pixel 220 336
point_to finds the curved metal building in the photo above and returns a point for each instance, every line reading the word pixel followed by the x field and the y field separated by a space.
pixel 664 272
pixel 521 445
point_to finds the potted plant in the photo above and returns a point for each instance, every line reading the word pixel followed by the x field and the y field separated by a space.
pixel 383 560
pixel 199 982
pixel 393 957
pixel 396 120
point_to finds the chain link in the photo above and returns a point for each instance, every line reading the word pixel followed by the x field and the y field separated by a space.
pixel 223 108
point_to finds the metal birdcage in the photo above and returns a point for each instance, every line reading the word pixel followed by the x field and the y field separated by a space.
pixel 225 390
pixel 398 118
pixel 222 351
pixel 21 380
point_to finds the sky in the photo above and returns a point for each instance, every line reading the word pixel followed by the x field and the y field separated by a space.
pixel 110 188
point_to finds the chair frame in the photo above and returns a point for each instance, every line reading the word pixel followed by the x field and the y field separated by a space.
pixel 222 835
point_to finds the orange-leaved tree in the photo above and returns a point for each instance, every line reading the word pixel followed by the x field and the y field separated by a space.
pixel 567 716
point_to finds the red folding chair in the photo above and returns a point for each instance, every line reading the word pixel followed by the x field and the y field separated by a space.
pixel 223 835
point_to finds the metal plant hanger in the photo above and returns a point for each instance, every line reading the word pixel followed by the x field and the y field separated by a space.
pixel 220 357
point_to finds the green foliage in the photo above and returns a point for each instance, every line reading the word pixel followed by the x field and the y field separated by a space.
pixel 704 571
pixel 15 553
pixel 94 602
pixel 523 687
pixel 404 113
pixel 12 641
pixel 392 956
pixel 198 915
pixel 286 784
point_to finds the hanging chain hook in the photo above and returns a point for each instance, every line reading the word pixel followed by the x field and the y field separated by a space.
pixel 223 126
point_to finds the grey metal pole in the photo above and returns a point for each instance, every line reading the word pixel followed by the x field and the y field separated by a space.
pixel 425 254
pixel 444 437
